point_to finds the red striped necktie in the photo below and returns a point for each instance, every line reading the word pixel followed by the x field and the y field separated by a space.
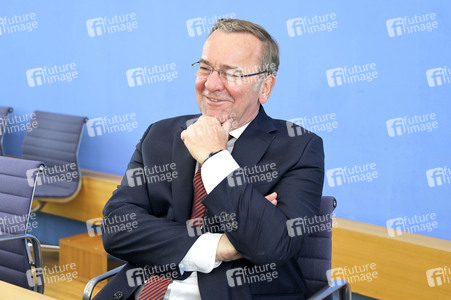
pixel 156 286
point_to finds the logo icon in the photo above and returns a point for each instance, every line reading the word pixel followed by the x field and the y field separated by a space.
pixel 194 227
pixel 135 277
pixel 335 177
pixel 135 77
pixel 195 26
pixel 335 77
pixel 295 227
pixel 395 27
pixel 94 226
pixel 39 273
pixel 395 227
pixel 335 276
pixel 135 177
pixel 95 27
pixel 95 126
pixel 32 176
pixel 395 127
pixel 294 27
pixel 235 277
pixel 236 178
pixel 293 129
pixel 435 177
pixel 435 77
pixel 35 77
pixel 435 277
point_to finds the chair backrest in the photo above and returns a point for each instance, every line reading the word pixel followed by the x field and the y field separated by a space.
pixel 55 140
pixel 316 254
pixel 4 111
pixel 17 184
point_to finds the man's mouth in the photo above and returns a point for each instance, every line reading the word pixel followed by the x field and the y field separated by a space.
pixel 215 100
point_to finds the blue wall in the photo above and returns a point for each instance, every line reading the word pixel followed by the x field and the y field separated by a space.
pixel 385 127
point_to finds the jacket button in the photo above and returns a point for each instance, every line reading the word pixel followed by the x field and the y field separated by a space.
pixel 118 295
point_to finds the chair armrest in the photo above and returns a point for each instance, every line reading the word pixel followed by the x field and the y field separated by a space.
pixel 343 288
pixel 37 258
pixel 87 293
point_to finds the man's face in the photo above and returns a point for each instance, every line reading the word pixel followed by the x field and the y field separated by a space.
pixel 218 98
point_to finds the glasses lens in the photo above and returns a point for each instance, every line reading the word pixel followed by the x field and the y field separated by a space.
pixel 233 77
pixel 202 70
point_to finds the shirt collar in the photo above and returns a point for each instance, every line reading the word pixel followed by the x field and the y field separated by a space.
pixel 236 133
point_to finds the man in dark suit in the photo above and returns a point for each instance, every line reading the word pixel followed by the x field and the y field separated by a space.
pixel 244 248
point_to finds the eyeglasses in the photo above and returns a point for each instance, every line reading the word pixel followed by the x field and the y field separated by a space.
pixel 231 76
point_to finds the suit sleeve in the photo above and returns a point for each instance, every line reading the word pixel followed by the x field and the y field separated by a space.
pixel 261 235
pixel 154 240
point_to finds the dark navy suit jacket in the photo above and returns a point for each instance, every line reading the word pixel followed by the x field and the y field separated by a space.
pixel 258 229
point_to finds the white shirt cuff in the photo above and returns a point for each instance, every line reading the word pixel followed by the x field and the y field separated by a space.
pixel 201 257
pixel 216 168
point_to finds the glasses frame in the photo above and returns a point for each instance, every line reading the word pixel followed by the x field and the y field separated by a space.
pixel 222 71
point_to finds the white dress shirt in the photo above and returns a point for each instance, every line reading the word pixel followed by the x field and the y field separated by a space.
pixel 201 257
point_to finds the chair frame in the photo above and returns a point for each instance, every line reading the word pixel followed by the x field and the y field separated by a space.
pixel 3 127
pixel 36 258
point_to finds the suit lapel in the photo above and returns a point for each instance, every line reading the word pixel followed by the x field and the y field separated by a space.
pixel 254 141
pixel 182 187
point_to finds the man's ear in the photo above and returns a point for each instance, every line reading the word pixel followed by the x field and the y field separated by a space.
pixel 266 88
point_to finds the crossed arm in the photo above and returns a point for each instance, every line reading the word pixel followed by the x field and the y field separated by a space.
pixel 144 245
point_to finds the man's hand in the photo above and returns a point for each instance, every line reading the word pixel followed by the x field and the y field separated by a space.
pixel 225 250
pixel 205 136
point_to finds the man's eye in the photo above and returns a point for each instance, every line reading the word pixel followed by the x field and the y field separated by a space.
pixel 233 74
pixel 204 69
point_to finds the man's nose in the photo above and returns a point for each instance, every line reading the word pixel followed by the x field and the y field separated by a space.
pixel 214 82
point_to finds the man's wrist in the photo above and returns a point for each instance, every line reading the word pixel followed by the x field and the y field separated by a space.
pixel 211 155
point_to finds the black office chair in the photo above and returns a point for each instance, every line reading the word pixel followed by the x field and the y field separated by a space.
pixel 18 179
pixel 315 260
pixel 4 111
pixel 316 257
pixel 55 141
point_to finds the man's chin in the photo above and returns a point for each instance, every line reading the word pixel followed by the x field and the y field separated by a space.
pixel 220 116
